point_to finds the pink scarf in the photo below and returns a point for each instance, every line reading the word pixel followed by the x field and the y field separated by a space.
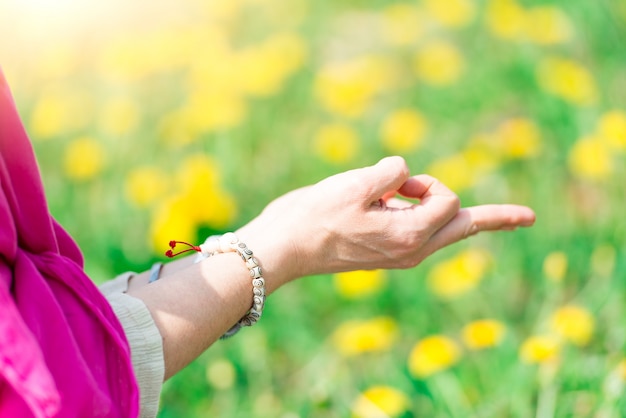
pixel 63 352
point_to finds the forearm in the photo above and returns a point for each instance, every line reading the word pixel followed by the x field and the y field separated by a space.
pixel 194 304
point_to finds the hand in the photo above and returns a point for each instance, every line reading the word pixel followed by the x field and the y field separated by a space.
pixel 354 221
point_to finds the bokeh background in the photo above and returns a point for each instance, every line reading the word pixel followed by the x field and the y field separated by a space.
pixel 162 119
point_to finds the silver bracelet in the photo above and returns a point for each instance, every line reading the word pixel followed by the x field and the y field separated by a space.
pixel 229 242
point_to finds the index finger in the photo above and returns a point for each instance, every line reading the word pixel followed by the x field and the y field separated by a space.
pixel 472 220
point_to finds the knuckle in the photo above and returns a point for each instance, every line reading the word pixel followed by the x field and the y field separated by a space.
pixel 454 202
pixel 472 229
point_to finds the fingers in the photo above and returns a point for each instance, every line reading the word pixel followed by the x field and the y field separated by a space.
pixel 388 175
pixel 472 220
pixel 437 206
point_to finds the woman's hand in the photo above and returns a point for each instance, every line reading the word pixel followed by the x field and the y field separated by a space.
pixel 353 221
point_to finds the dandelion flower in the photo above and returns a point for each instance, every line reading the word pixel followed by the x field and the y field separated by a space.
pixel 144 185
pixel 402 24
pixel 170 220
pixel 439 63
pixel 451 13
pixel 612 129
pixel 539 349
pixel 574 323
pixel 547 25
pixel 348 88
pixel 568 80
pixel 590 159
pixel 481 156
pixel 506 19
pixel 360 283
pixel 458 275
pixel 215 111
pixel 454 171
pixel 266 66
pixel 60 110
pixel 119 116
pixel 380 401
pixel 433 354
pixel 206 201
pixel 84 159
pixel 365 336
pixel 482 334
pixel 336 143
pixel 555 266
pixel 403 130
pixel 519 138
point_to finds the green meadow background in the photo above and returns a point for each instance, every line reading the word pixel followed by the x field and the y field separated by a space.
pixel 159 120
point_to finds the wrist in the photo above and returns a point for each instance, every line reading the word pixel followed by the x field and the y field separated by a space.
pixel 276 255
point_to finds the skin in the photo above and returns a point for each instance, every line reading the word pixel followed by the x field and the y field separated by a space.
pixel 368 218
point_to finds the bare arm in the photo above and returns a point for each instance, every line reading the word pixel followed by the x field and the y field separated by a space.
pixel 346 222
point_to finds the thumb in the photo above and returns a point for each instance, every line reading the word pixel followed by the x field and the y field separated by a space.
pixel 388 175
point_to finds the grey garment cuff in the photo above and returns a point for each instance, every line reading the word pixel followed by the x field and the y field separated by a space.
pixel 146 343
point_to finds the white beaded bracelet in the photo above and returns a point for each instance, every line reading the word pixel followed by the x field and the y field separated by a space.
pixel 230 243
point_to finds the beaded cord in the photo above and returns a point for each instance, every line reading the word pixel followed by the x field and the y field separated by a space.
pixel 229 242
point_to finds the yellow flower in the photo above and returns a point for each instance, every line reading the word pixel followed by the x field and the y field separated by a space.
pixel 590 159
pixel 573 323
pixel 213 111
pixel 221 374
pixel 454 171
pixel 519 138
pixel 568 80
pixel 539 349
pixel 119 116
pixel 603 260
pixel 483 334
pixel 348 88
pixel 60 110
pixel 402 24
pixel 144 185
pixel 84 159
pixel 200 200
pixel 403 130
pixel 265 67
pixel 433 354
pixel 336 143
pixel 170 221
pixel 207 203
pixel 555 266
pixel 458 275
pixel 360 283
pixel 364 336
pixel 506 19
pixel 380 401
pixel 612 129
pixel 483 154
pixel 547 25
pixel 621 369
pixel 439 63
pixel 451 13
pixel 198 172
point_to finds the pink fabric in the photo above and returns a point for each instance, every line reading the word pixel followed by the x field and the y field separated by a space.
pixel 63 352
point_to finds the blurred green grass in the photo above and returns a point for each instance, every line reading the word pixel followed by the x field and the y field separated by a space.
pixel 505 101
